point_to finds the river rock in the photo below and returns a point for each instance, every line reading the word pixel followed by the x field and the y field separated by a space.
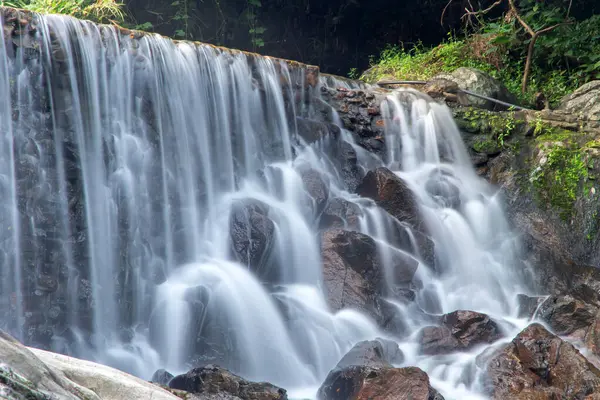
pixel 539 365
pixel 351 271
pixel 252 234
pixel 479 82
pixel 360 382
pixel 313 131
pixel 212 380
pixel 392 194
pixel 567 315
pixel 585 100
pixel 459 331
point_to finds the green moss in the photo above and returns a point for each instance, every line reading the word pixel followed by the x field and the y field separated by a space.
pixel 558 181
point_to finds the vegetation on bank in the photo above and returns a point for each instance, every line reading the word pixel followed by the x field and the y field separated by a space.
pixel 565 52
pixel 95 10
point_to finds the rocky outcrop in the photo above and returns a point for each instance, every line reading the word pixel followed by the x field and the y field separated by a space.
pixel 539 365
pixel 585 100
pixel 366 373
pixel 161 377
pixel 28 373
pixel 212 380
pixel 459 331
pixel 252 235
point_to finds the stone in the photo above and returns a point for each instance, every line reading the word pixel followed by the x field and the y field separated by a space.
pixel 459 331
pixel 161 377
pixel 252 236
pixel 340 213
pixel 391 193
pixel 317 187
pixel 351 271
pixel 566 315
pixel 379 353
pixel 361 383
pixel 313 131
pixel 537 364
pixel 479 82
pixel 528 305
pixel 585 100
pixel 212 380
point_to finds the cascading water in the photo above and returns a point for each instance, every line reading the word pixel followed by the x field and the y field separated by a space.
pixel 124 160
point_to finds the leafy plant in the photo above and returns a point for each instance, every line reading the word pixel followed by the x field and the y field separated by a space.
pixel 255 29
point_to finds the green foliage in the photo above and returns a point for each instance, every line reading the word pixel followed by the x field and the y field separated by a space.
pixel 95 10
pixel 255 29
pixel 557 181
pixel 563 58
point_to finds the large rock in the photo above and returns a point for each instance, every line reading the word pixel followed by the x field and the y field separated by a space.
pixel 392 194
pixel 459 331
pixel 359 382
pixel 252 235
pixel 539 365
pixel 479 82
pixel 366 372
pixel 28 373
pixel 351 271
pixel 212 380
pixel 585 100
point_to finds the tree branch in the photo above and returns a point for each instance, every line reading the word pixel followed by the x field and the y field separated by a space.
pixel 444 12
pixel 515 12
pixel 481 12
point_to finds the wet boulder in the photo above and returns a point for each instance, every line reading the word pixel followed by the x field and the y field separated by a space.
pixel 215 381
pixel 537 364
pixel 378 353
pixel 360 382
pixel 340 213
pixel 317 187
pixel 567 315
pixel 459 331
pixel 443 191
pixel 391 193
pixel 313 131
pixel 528 305
pixel 351 271
pixel 252 234
pixel 161 377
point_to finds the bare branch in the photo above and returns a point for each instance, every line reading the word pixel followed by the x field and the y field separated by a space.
pixel 482 12
pixel 444 12
pixel 553 27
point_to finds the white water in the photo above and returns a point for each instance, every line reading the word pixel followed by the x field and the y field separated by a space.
pixel 168 138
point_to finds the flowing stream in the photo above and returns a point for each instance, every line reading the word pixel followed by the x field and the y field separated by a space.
pixel 121 161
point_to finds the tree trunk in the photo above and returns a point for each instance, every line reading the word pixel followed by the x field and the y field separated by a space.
pixel 528 62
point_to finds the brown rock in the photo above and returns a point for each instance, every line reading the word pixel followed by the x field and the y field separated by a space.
pixel 460 330
pixel 539 365
pixel 351 271
pixel 364 383
pixel 392 194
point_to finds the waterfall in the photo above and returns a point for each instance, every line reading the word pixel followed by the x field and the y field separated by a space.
pixel 124 160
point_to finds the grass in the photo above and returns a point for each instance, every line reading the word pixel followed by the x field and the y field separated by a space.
pixel 478 51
